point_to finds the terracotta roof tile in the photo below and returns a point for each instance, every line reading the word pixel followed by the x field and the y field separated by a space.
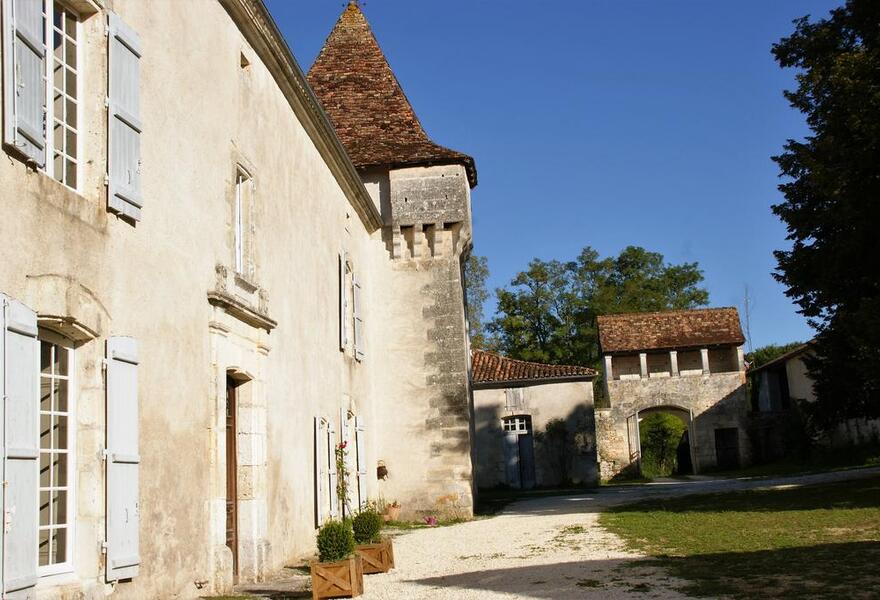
pixel 371 114
pixel 487 367
pixel 668 330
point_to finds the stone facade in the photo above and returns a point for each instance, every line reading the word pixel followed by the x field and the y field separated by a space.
pixel 570 401
pixel 651 365
pixel 263 260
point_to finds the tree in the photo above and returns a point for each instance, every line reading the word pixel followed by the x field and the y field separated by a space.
pixel 765 354
pixel 548 313
pixel 660 434
pixel 476 272
pixel 831 189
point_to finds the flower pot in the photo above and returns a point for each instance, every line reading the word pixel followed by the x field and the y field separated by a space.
pixel 376 558
pixel 392 513
pixel 340 579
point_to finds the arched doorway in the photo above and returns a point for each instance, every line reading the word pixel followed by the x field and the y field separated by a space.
pixel 660 441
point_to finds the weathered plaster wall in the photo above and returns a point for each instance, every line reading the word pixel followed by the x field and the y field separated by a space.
pixel 425 417
pixel 570 401
pixel 716 401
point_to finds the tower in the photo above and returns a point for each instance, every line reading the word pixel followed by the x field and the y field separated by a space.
pixel 422 191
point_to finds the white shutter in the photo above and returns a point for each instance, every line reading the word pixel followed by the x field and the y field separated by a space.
pixel 358 321
pixel 123 120
pixel 24 83
pixel 331 469
pixel 343 305
pixel 359 433
pixel 122 459
pixel 19 416
pixel 320 471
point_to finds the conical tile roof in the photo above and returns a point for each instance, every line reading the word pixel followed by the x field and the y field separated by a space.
pixel 371 114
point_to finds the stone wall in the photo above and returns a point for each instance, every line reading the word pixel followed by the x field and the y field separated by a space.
pixel 717 400
pixel 570 401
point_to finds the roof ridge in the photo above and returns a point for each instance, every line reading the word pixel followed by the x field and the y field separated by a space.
pixel 530 362
pixel 671 311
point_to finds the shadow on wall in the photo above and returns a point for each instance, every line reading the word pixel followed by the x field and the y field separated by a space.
pixel 564 448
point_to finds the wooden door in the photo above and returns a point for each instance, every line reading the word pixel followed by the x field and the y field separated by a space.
pixel 231 475
pixel 511 459
pixel 526 447
pixel 727 448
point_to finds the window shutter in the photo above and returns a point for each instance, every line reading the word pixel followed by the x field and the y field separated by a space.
pixel 359 432
pixel 19 383
pixel 343 305
pixel 122 459
pixel 331 469
pixel 358 321
pixel 320 471
pixel 24 84
pixel 124 120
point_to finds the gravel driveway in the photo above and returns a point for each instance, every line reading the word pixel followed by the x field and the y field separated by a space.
pixel 545 548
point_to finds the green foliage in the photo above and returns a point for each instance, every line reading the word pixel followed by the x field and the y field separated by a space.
pixel 764 354
pixel 367 526
pixel 548 313
pixel 476 271
pixel 660 434
pixel 335 541
pixel 831 186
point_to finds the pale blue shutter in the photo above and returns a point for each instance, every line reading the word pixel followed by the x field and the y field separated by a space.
pixel 343 305
pixel 20 386
pixel 360 435
pixel 320 471
pixel 24 78
pixel 122 459
pixel 124 120
pixel 358 321
pixel 333 497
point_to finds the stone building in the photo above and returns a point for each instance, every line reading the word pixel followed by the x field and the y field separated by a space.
pixel 688 363
pixel 211 276
pixel 514 401
pixel 782 391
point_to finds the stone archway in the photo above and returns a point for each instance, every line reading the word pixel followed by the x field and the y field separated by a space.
pixel 685 415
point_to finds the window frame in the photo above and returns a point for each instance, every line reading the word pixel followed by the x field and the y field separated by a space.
pixel 242 218
pixel 522 424
pixel 68 566
pixel 49 116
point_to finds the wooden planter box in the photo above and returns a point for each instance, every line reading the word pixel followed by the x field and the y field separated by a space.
pixel 341 579
pixel 377 558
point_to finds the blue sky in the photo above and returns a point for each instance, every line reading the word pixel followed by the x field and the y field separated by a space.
pixel 604 123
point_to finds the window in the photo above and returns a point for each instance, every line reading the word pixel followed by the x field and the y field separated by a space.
pixel 520 424
pixel 62 89
pixel 56 454
pixel 241 224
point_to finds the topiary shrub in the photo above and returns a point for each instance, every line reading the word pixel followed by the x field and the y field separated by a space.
pixel 335 541
pixel 367 524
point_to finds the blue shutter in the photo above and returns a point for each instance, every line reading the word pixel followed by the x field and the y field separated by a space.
pixel 358 321
pixel 320 470
pixel 19 383
pixel 124 120
pixel 24 83
pixel 331 469
pixel 360 441
pixel 343 304
pixel 122 460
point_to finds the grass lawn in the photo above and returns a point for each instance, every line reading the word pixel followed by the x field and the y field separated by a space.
pixel 819 541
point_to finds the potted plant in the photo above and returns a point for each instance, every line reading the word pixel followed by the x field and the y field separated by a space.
pixel 339 572
pixel 376 552
pixel 392 511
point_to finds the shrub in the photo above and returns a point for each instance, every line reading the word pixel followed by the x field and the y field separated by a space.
pixel 367 524
pixel 335 541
